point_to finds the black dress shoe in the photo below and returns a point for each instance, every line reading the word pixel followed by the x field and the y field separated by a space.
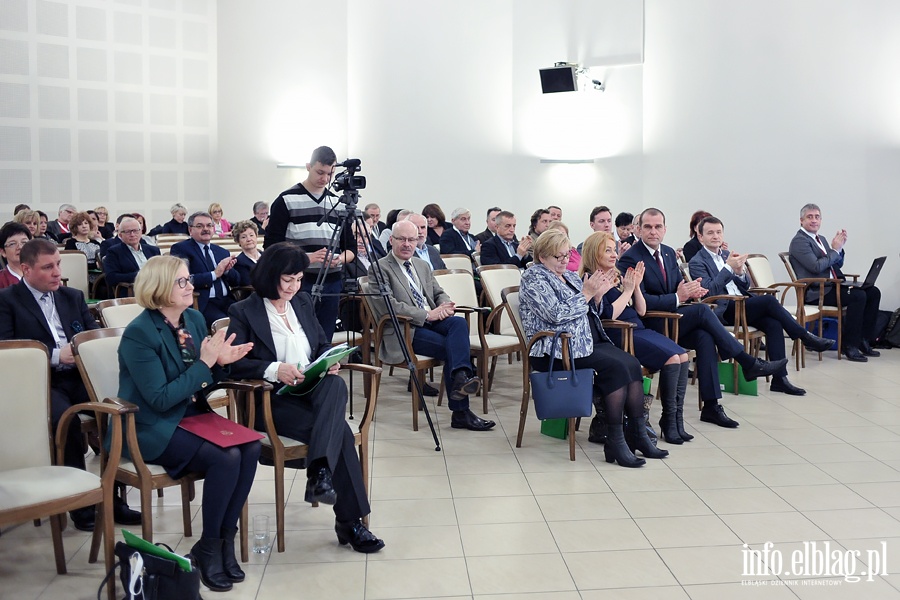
pixel 466 419
pixel 428 390
pixel 83 518
pixel 854 355
pixel 359 538
pixel 463 385
pixel 762 368
pixel 319 487
pixel 867 350
pixel 781 384
pixel 814 343
pixel 123 515
pixel 715 414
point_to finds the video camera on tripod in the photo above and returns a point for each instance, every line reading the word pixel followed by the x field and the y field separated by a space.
pixel 347 181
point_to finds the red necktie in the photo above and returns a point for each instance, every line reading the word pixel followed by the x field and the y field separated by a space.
pixel 662 269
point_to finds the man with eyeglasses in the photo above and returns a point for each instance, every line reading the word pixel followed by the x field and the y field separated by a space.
pixel 41 308
pixel 124 260
pixel 436 332
pixel 59 228
pixel 504 248
pixel 211 266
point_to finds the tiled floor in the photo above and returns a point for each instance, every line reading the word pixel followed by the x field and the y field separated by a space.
pixel 482 519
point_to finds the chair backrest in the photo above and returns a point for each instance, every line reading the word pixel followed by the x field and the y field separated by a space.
pixel 457 261
pixel 165 241
pixel 786 259
pixel 25 427
pixel 510 295
pixel 120 313
pixel 685 271
pixel 460 286
pixel 218 324
pixel 74 267
pixel 228 244
pixel 760 270
pixel 97 356
pixel 493 279
pixel 476 256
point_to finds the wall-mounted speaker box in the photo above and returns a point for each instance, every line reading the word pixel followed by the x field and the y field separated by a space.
pixel 558 79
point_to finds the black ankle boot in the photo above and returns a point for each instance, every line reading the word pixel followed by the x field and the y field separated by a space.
pixel 207 555
pixel 230 565
pixel 597 432
pixel 616 450
pixel 668 391
pixel 679 402
pixel 636 438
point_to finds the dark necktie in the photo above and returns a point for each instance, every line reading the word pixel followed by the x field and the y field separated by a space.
pixel 217 284
pixel 662 268
pixel 417 296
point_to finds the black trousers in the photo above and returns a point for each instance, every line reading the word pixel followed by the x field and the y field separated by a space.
pixel 862 308
pixel 766 314
pixel 66 390
pixel 699 329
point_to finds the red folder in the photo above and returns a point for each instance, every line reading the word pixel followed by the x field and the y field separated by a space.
pixel 219 430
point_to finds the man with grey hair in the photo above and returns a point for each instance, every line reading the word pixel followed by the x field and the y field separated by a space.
pixel 260 217
pixel 59 228
pixel 426 252
pixel 811 255
pixel 385 236
pixel 123 261
pixel 373 212
pixel 458 240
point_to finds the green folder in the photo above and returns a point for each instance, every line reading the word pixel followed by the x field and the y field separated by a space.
pixel 145 546
pixel 317 369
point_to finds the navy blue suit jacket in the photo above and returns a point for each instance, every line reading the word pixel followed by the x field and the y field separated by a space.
pixel 203 277
pixel 493 252
pixel 120 265
pixel 22 319
pixel 452 243
pixel 715 280
pixel 659 293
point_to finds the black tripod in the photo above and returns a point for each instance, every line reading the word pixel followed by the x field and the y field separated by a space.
pixel 347 218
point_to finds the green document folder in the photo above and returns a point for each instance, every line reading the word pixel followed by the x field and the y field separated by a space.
pixel 317 369
pixel 145 546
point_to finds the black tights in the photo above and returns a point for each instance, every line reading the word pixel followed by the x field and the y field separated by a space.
pixel 229 474
pixel 628 399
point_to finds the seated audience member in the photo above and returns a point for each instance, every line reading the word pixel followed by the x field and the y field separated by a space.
pixel 244 233
pixel 43 231
pixel 124 260
pixel 656 352
pixel 725 273
pixel 12 238
pixel 353 270
pixel 59 228
pixel 491 225
pixel 385 236
pixel 222 227
pixel 436 332
pixel 600 220
pixel 280 323
pixel 664 289
pixel 555 213
pixel 83 239
pixel 373 212
pixel 145 237
pixel 574 255
pixel 437 223
pixel 30 219
pixel 693 245
pixel 211 266
pixel 115 240
pixel 176 225
pixel 41 308
pixel 623 231
pixel 105 228
pixel 812 256
pixel 165 360
pixel 457 239
pixel 504 248
pixel 260 217
pixel 20 207
pixel 552 298
pixel 540 220
pixel 428 253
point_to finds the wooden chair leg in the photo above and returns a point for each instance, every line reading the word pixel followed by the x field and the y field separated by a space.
pixel 186 507
pixel 244 524
pixel 364 465
pixel 279 503
pixel 523 414
pixel 97 536
pixel 56 527
pixel 146 514
pixel 37 522
pixel 571 424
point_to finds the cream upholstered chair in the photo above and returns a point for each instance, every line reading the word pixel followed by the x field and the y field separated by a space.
pixel 96 354
pixel 74 267
pixel 493 279
pixel 118 312
pixel 457 261
pixel 825 310
pixel 460 286
pixel 31 484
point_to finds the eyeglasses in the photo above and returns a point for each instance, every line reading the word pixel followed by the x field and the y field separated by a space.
pixel 563 256
pixel 413 240
pixel 183 281
pixel 130 231
pixel 203 226
pixel 15 244
pixel 217 212
pixel 100 214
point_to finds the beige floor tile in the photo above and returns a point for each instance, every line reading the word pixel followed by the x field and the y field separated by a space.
pixel 859 523
pixel 312 546
pixel 711 478
pixel 618 569
pixel 25 585
pixel 317 580
pixel 879 589
pixel 744 500
pixel 764 455
pixel 821 497
pixel 413 513
pixel 677 532
pixel 533 461
pixel 418 542
pixel 409 466
pixel 593 536
pixel 764 590
pixel 830 453
pixel 529 596
pixel 759 528
pixel 774 475
pixel 690 456
pixel 802 437
pixel 468 464
pixel 519 574
pixel 869 471
pixel 509 509
pixel 736 437
pixel 507 538
pixel 643 480
pixel 663 504
pixel 574 482
pixel 880 554
pixel 417 578
pixel 578 507
pixel 880 494
pixel 637 593
pixel 410 488
pixel 710 564
pixel 872 433
pixel 493 484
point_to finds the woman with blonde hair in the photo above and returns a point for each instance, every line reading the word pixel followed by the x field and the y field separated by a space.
pixel 30 219
pixel 574 256
pixel 221 226
pixel 104 226
pixel 625 301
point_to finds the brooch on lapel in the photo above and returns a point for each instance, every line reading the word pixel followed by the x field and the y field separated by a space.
pixel 77 327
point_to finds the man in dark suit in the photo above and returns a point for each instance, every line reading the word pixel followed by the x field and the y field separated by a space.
pixel 428 253
pixel 373 213
pixel 665 290
pixel 125 259
pixel 504 248
pixel 211 267
pixel 40 308
pixel 260 217
pixel 724 273
pixel 458 240
pixel 491 228
pixel 812 256
pixel 59 228
pixel 436 332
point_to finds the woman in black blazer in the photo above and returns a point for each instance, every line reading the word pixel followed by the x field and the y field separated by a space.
pixel 244 233
pixel 281 323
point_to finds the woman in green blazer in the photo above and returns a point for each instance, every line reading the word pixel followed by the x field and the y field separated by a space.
pixel 165 358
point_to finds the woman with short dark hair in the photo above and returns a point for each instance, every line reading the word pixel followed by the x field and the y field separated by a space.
pixel 437 223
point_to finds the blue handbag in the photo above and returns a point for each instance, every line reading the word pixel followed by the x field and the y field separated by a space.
pixel 562 394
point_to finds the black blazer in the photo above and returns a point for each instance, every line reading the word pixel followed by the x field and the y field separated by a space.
pixel 120 265
pixel 198 268
pixel 22 319
pixel 493 252
pixel 250 323
pixel 243 266
pixel 452 243
pixel 659 294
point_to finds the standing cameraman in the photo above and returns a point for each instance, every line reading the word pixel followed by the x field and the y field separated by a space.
pixel 294 217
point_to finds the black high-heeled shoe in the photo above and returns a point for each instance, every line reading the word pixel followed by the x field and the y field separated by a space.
pixel 637 439
pixel 616 450
pixel 358 536
pixel 207 555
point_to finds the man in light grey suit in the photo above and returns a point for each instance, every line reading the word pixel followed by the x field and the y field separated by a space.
pixel 812 256
pixel 724 273
pixel 436 332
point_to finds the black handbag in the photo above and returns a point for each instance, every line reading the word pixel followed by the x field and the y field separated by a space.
pixel 562 394
pixel 159 578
